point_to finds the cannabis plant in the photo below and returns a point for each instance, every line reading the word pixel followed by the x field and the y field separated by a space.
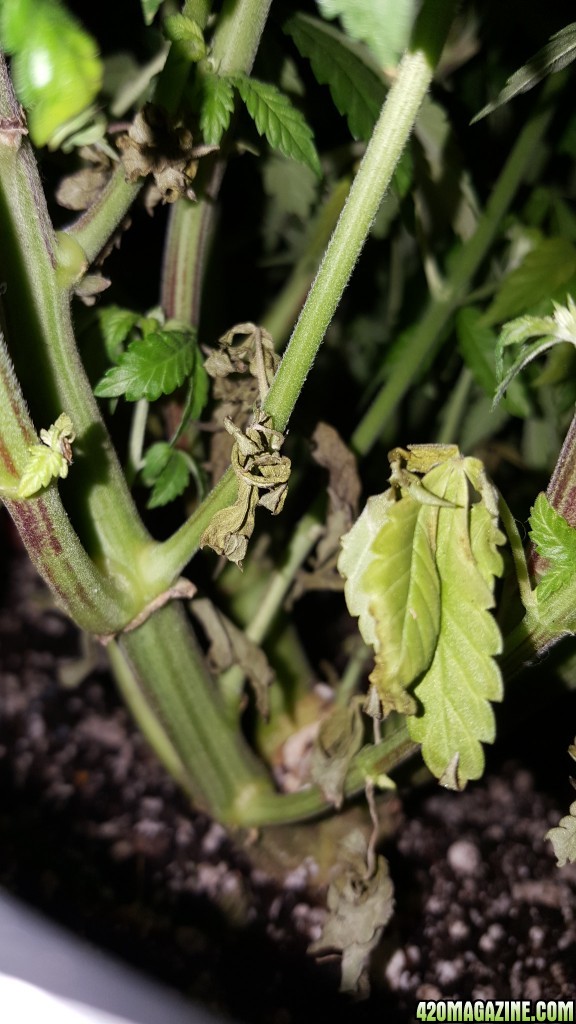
pixel 138 427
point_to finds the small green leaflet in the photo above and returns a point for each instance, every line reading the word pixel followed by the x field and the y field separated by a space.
pixel 167 471
pixel 151 366
pixel 384 25
pixel 278 120
pixel 357 89
pixel 48 460
pixel 557 54
pixel 217 93
pixel 420 569
pixel 552 330
pixel 116 323
pixel 546 269
pixel 554 540
pixel 56 68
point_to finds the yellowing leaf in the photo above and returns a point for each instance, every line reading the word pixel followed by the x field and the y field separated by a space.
pixel 563 838
pixel 420 565
pixel 404 589
pixel 356 556
pixel 456 716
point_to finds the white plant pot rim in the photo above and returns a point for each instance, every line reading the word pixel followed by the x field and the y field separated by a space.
pixel 49 975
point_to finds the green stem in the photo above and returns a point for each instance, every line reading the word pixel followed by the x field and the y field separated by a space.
pixel 455 408
pixel 94 228
pixel 373 178
pixel 303 540
pixel 421 344
pixel 37 269
pixel 171 674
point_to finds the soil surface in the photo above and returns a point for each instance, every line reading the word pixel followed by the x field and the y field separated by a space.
pixel 93 832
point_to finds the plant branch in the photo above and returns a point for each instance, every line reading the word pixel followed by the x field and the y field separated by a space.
pixel 372 180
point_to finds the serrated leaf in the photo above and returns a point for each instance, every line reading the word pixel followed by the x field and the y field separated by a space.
pixel 557 54
pixel 278 120
pixel 357 90
pixel 384 25
pixel 563 838
pixel 171 481
pixel 554 330
pixel 293 190
pixel 554 540
pixel 154 365
pixel 116 324
pixel 548 267
pixel 455 693
pixel 44 464
pixel 217 94
pixel 50 459
pixel 404 600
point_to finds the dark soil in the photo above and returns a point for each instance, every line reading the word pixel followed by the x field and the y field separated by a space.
pixel 92 831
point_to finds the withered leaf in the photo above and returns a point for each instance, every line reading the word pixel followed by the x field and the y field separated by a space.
pixel 360 906
pixel 230 646
pixel 339 739
pixel 344 489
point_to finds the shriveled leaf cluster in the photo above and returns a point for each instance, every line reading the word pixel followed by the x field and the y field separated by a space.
pixel 360 904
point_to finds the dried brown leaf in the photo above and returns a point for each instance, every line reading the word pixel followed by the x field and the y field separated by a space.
pixel 230 646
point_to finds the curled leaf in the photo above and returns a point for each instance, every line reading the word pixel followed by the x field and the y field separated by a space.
pixel 230 646
pixel 360 903
pixel 48 460
pixel 262 475
pixel 339 739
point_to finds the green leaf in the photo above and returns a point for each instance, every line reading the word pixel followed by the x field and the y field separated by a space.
pixel 151 366
pixel 357 89
pixel 554 330
pixel 56 69
pixel 563 838
pixel 404 594
pixel 167 471
pixel 477 345
pixel 420 573
pixel 554 540
pixel 357 556
pixel 384 25
pixel 48 460
pixel 557 54
pixel 150 9
pixel 186 32
pixel 548 267
pixel 116 324
pixel 282 124
pixel 292 189
pixel 44 464
pixel 217 104
pixel 455 693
